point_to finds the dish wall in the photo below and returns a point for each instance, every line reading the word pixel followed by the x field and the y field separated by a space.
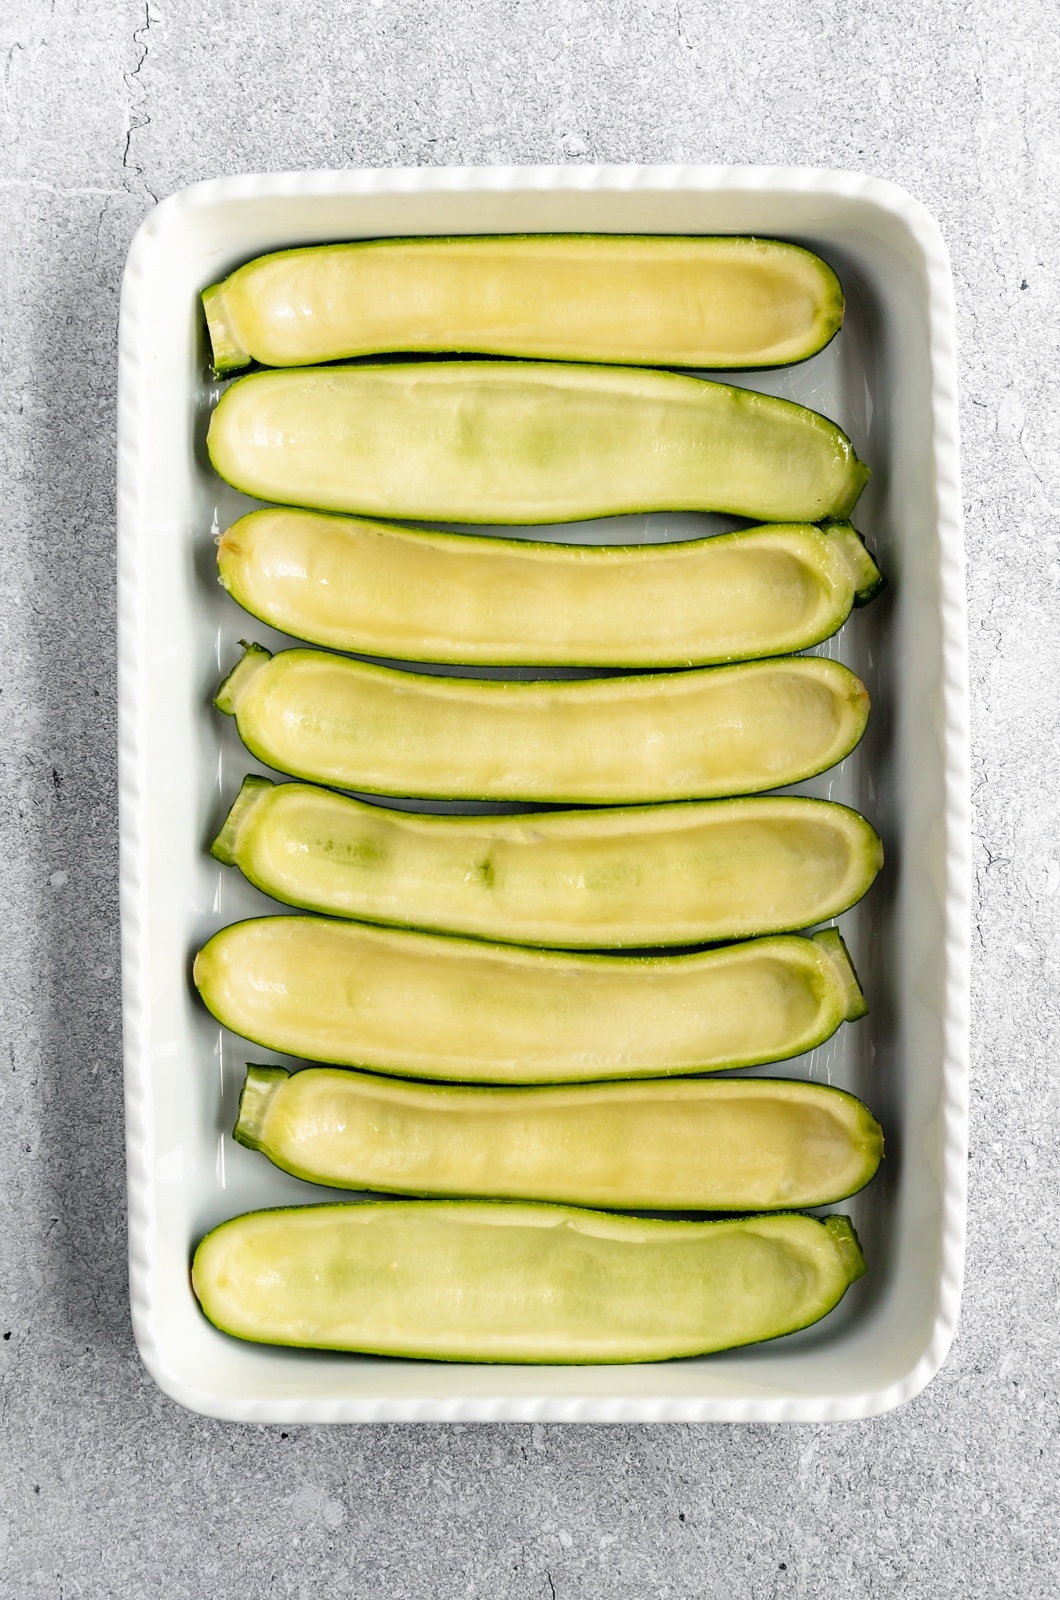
pixel 888 380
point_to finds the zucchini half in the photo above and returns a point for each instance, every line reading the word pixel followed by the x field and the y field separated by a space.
pixel 384 590
pixel 728 1144
pixel 527 442
pixel 656 300
pixel 420 1006
pixel 696 873
pixel 467 1281
pixel 671 736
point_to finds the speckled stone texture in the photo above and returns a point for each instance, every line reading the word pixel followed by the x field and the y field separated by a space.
pixel 106 1488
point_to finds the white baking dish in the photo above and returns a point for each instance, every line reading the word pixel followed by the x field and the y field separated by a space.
pixel 889 379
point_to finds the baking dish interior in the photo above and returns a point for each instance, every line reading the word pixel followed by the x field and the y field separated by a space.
pixel 181 633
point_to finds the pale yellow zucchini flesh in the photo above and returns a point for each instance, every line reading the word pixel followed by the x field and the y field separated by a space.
pixel 415 595
pixel 657 301
pixel 467 1281
pixel 417 1005
pixel 659 875
pixel 708 732
pixel 527 442
pixel 735 1144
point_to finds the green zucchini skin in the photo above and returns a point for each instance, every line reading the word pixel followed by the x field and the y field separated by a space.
pixel 418 1005
pixel 701 734
pixel 729 1144
pixel 378 589
pixel 527 442
pixel 694 873
pixel 475 1281
pixel 651 300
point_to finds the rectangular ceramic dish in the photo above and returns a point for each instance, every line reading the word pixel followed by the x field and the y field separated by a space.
pixel 889 380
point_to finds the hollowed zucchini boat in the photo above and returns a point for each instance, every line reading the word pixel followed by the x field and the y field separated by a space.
pixel 467 1281
pixel 421 1006
pixel 672 874
pixel 664 301
pixel 416 595
pixel 707 732
pixel 527 442
pixel 735 1144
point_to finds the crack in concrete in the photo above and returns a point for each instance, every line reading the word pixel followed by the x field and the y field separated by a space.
pixel 9 67
pixel 1023 446
pixel 682 39
pixel 136 118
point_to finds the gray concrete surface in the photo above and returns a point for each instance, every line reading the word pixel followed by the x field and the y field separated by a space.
pixel 106 1488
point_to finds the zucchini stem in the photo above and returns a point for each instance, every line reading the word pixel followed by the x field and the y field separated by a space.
pixel 848 1246
pixel 831 941
pixel 234 686
pixel 228 351
pixel 255 1100
pixel 868 579
pixel 225 847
